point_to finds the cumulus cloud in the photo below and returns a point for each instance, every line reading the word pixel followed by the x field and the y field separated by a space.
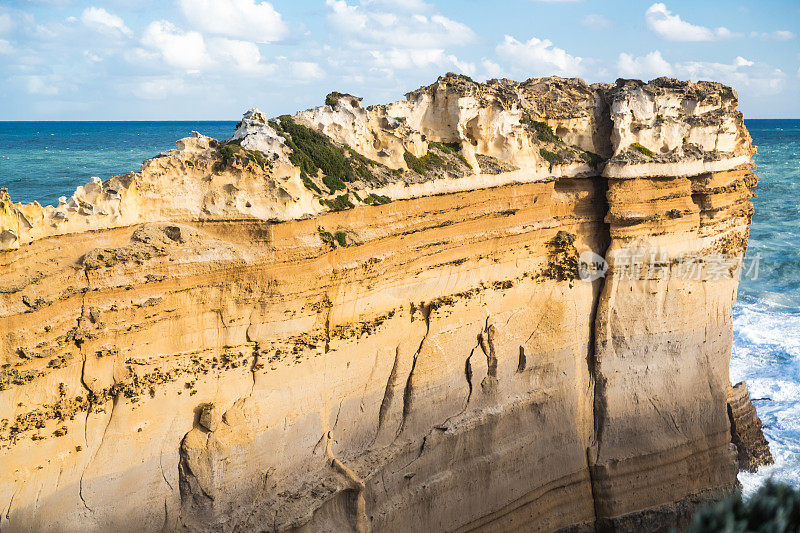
pixel 402 59
pixel 239 19
pixel 40 86
pixel 179 49
pixel 242 55
pixel 777 35
pixel 101 20
pixel 758 79
pixel 651 65
pixel 539 57
pixel 305 71
pixel 6 23
pixel 158 88
pixel 597 22
pixel 398 35
pixel 673 28
pixel 366 25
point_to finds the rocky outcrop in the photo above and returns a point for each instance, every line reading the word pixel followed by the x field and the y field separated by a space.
pixel 387 318
pixel 752 447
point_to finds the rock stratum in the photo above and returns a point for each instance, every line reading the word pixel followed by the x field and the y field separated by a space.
pixel 374 319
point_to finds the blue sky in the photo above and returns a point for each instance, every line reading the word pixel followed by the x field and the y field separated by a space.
pixel 213 59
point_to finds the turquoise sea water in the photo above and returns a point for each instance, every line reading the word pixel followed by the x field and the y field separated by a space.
pixel 44 160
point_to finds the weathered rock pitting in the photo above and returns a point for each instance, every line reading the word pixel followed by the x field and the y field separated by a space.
pixel 373 318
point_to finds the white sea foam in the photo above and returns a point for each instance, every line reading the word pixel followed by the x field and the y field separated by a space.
pixel 766 354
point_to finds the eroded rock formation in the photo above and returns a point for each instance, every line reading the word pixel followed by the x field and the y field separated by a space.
pixel 373 318
pixel 751 446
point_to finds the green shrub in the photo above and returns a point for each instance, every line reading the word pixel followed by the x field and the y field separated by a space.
pixel 642 149
pixel 326 236
pixel 592 158
pixel 341 238
pixel 309 184
pixel 448 148
pixel 312 152
pixel 332 98
pixel 775 508
pixel 453 148
pixel 376 199
pixel 340 203
pixel 550 157
pixel 229 151
pixel 421 165
pixel 543 131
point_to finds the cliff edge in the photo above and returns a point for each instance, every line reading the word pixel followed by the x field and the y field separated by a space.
pixel 488 306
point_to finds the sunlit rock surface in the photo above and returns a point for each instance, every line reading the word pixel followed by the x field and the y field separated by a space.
pixel 372 318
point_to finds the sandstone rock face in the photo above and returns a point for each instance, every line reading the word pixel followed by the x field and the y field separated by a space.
pixel 751 446
pixel 375 318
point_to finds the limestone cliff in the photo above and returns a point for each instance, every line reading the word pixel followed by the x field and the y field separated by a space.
pixel 381 318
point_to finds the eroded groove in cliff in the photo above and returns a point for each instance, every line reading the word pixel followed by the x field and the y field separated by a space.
pixel 388 393
pixel 362 521
pixel 426 310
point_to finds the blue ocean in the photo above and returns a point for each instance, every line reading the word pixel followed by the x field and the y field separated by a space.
pixel 44 160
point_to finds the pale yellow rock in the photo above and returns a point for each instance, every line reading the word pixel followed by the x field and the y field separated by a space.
pixel 208 344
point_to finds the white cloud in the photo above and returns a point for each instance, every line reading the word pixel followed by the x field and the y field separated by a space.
pixel 242 55
pixel 38 85
pixel 491 69
pixel 597 22
pixel 673 28
pixel 179 49
pixel 5 47
pixel 158 88
pixel 6 23
pixel 238 19
pixel 365 26
pixel 778 35
pixel 307 71
pixel 758 79
pixel 101 20
pixel 404 59
pixel 539 57
pixel 651 65
pixel 92 57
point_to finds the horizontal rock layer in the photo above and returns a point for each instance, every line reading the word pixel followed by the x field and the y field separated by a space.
pixel 232 339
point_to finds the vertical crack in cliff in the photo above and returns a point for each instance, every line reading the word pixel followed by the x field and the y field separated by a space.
pixel 597 382
pixel 468 375
pixel 362 523
pixel 254 366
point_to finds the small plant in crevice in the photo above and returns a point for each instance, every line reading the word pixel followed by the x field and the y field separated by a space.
pixel 642 149
pixel 451 148
pixel 376 199
pixel 341 238
pixel 338 239
pixel 543 130
pixel 591 158
pixel 550 157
